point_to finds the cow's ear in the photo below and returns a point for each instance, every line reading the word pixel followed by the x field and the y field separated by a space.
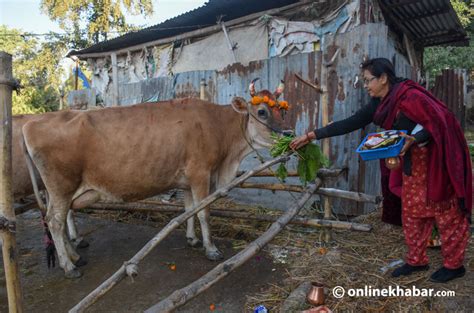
pixel 239 105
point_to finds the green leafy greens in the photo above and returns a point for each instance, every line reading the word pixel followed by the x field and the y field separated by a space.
pixel 310 158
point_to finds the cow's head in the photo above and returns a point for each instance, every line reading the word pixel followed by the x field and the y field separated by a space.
pixel 265 114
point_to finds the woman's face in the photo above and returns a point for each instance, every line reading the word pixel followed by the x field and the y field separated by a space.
pixel 377 87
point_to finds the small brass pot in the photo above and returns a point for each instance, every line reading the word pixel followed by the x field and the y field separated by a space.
pixel 315 295
pixel 392 163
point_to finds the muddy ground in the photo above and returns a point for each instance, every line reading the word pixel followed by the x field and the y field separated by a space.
pixel 111 243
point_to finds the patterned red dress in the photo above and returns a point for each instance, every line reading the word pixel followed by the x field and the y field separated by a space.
pixel 419 214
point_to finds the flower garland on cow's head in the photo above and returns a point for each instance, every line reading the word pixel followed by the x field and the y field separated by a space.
pixel 266 96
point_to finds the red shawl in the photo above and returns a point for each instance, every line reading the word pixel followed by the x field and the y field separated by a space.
pixel 449 154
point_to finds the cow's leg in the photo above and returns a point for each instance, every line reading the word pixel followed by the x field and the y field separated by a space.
pixel 87 198
pixel 56 219
pixel 200 191
pixel 78 241
pixel 193 240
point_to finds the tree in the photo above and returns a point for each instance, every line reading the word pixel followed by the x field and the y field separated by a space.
pixel 438 58
pixel 99 17
pixel 36 65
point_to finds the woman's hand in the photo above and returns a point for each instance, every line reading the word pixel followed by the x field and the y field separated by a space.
pixel 301 141
pixel 409 140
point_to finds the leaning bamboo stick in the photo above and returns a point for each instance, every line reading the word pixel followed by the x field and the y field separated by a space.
pixel 330 192
pixel 181 296
pixel 136 207
pixel 130 267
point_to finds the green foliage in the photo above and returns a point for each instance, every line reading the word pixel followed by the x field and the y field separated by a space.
pixel 438 58
pixel 100 17
pixel 35 64
pixel 310 158
pixel 282 172
pixel 281 144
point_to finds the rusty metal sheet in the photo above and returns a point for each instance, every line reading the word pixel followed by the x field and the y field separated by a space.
pixel 450 88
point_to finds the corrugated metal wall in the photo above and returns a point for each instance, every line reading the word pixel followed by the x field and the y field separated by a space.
pixel 370 40
pixel 451 88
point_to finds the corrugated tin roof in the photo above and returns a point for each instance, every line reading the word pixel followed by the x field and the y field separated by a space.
pixel 427 22
pixel 201 17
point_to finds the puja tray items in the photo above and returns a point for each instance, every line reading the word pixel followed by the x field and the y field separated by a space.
pixel 381 145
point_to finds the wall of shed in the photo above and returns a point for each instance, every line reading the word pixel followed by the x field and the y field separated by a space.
pixel 369 40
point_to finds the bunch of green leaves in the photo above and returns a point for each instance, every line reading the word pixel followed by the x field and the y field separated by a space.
pixel 310 158
pixel 281 144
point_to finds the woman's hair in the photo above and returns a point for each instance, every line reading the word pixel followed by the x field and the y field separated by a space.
pixel 379 66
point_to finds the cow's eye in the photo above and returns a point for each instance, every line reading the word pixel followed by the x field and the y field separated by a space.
pixel 262 113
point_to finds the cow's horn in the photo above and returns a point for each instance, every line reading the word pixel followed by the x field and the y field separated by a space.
pixel 252 87
pixel 279 89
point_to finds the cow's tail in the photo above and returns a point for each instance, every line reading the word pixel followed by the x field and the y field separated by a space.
pixel 34 181
pixel 47 238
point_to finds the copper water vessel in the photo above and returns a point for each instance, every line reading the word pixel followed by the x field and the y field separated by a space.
pixel 316 294
pixel 392 163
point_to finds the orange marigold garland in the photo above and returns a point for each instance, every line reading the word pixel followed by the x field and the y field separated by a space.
pixel 256 100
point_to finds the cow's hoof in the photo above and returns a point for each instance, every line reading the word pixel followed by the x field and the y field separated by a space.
pixel 80 262
pixel 82 244
pixel 214 255
pixel 195 243
pixel 72 274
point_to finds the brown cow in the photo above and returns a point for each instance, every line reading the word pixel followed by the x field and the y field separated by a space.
pixel 131 153
pixel 22 186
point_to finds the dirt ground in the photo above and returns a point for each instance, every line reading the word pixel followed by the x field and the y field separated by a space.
pixel 111 243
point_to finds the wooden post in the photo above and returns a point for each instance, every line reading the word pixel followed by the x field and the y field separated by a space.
pixel 7 215
pixel 115 89
pixel 325 141
pixel 76 77
pixel 202 91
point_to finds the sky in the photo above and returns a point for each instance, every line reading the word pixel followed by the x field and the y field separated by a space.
pixel 26 14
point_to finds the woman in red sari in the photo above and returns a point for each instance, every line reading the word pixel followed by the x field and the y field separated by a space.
pixel 436 168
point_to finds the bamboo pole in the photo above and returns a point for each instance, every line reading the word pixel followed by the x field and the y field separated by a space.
pixel 325 141
pixel 7 215
pixel 130 267
pixel 181 296
pixel 322 173
pixel 330 192
pixel 137 207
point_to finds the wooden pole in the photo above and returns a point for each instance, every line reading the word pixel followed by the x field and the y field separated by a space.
pixel 76 77
pixel 202 89
pixel 7 215
pixel 148 208
pixel 115 88
pixel 322 173
pixel 130 267
pixel 181 296
pixel 330 192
